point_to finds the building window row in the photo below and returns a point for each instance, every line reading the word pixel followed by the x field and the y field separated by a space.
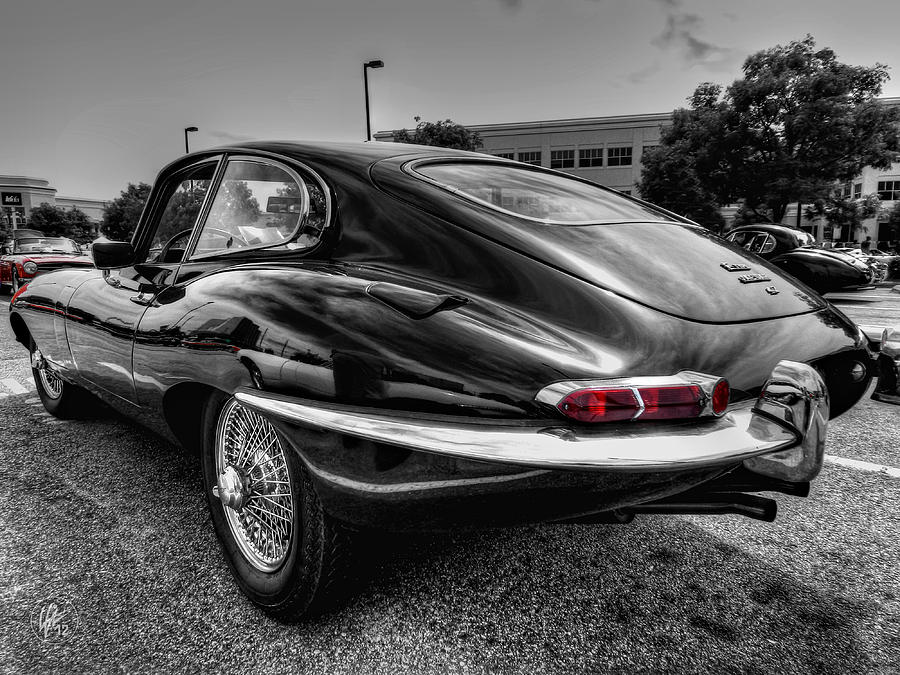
pixel 889 190
pixel 562 159
pixel 565 159
pixel 618 157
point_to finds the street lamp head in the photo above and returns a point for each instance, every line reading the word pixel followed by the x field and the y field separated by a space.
pixel 191 129
pixel 374 64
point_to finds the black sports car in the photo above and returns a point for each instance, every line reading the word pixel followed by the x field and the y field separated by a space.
pixel 393 337
pixel 793 251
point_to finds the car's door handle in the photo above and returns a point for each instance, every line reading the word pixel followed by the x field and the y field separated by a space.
pixel 142 298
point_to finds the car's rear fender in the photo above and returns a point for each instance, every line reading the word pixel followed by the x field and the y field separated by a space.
pixel 330 333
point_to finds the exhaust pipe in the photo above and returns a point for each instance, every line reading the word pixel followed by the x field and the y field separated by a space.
pixel 752 506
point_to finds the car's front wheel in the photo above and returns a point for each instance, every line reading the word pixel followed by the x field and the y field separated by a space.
pixel 16 284
pixel 288 556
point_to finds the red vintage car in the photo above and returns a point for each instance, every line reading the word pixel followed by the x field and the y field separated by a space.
pixel 30 256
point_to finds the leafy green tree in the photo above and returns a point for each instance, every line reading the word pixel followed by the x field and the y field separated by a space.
pixel 798 122
pixel 57 222
pixel 443 133
pixel 121 215
pixel 844 212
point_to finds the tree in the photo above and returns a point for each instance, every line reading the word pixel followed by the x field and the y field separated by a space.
pixel 669 179
pixel 798 122
pixel 55 221
pixel 844 212
pixel 444 134
pixel 121 215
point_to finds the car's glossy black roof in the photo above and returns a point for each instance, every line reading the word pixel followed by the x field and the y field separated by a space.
pixel 347 156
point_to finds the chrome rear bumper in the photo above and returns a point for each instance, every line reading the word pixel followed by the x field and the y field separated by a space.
pixel 887 341
pixel 786 424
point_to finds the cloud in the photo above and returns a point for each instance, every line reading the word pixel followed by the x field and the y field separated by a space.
pixel 511 5
pixel 681 35
pixel 228 136
pixel 643 74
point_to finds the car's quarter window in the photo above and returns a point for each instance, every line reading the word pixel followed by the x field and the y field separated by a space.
pixel 259 204
pixel 742 239
pixel 178 217
pixel 536 195
pixel 768 245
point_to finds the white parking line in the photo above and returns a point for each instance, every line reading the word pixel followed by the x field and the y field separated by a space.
pixel 13 385
pixel 891 471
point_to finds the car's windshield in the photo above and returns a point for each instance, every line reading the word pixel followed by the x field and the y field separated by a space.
pixel 46 245
pixel 537 195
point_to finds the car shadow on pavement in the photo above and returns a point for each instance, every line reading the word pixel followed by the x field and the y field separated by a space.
pixel 109 518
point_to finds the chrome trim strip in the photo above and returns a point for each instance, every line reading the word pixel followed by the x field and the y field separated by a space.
pixel 738 435
pixel 640 402
pixel 304 216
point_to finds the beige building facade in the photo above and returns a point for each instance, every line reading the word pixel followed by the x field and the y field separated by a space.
pixel 609 151
pixel 20 194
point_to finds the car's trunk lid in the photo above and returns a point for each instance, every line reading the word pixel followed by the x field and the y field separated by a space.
pixel 682 270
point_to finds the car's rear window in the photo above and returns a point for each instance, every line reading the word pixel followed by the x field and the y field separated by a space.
pixel 536 195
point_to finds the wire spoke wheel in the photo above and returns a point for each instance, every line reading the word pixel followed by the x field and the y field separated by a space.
pixel 254 486
pixel 53 384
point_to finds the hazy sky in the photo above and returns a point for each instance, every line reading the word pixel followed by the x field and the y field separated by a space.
pixel 95 93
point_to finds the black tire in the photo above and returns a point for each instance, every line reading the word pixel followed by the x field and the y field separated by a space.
pixel 16 284
pixel 316 570
pixel 60 398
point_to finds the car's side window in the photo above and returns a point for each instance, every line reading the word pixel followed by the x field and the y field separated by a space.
pixel 261 205
pixel 768 244
pixel 176 223
pixel 754 245
pixel 741 238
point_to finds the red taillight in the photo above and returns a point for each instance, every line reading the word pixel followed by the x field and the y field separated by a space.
pixel 644 402
pixel 600 405
pixel 667 403
pixel 720 397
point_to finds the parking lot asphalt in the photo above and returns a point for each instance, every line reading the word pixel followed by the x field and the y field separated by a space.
pixel 108 522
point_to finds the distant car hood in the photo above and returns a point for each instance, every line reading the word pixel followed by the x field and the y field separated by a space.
pixel 54 258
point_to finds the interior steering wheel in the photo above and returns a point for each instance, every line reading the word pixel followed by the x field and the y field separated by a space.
pixel 163 252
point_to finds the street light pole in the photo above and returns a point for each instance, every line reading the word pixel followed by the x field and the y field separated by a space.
pixel 187 149
pixel 366 66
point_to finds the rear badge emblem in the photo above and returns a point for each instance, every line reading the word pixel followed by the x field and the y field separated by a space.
pixel 734 267
pixel 771 290
pixel 753 278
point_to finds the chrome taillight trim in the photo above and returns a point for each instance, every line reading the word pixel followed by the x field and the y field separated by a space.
pixel 553 394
